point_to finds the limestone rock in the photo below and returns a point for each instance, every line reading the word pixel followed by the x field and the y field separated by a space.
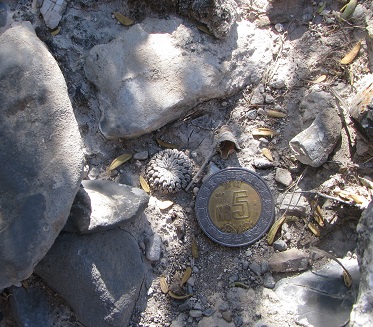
pixel 41 153
pixel 52 11
pixel 156 71
pixel 289 260
pixel 102 205
pixel 99 275
pixel 362 313
pixel 314 144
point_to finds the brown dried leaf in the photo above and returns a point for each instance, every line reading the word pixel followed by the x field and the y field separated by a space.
pixel 267 153
pixel 56 31
pixel 144 184
pixel 274 229
pixel 166 145
pixel 275 114
pixel 164 204
pixel 195 252
pixel 359 199
pixel 347 278
pixel 187 274
pixel 262 131
pixel 318 216
pixel 163 284
pixel 123 19
pixel 349 57
pixel 179 297
pixel 314 229
pixel 320 79
pixel 118 161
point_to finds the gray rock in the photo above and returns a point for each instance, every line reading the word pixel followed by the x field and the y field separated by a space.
pixel 282 11
pixel 41 153
pixel 154 248
pixel 280 245
pixel 269 281
pixel 136 77
pixel 289 260
pixel 195 313
pixel 262 163
pixel 314 144
pixel 99 275
pixel 3 14
pixel 295 203
pixel 252 114
pixel 52 11
pixel 102 205
pixel 320 298
pixel 283 176
pixel 256 268
pixel 143 155
pixel 362 312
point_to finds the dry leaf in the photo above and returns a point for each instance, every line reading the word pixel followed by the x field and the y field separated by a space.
pixel 187 274
pixel 320 10
pixel 179 297
pixel 348 9
pixel 275 114
pixel 118 161
pixel 204 29
pixel 358 198
pixel 262 131
pixel 366 182
pixel 347 278
pixel 164 204
pixel 267 153
pixel 56 31
pixel 123 19
pixel 318 216
pixel 314 229
pixel 240 284
pixel 273 231
pixel 320 79
pixel 166 145
pixel 144 184
pixel 348 58
pixel 195 253
pixel 25 284
pixel 163 284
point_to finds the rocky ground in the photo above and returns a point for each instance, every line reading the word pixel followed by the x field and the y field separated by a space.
pixel 233 286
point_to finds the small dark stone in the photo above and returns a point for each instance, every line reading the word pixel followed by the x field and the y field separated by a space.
pixel 280 245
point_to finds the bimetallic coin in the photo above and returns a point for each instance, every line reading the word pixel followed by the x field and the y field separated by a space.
pixel 235 207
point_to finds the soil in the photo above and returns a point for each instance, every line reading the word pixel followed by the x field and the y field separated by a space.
pixel 303 52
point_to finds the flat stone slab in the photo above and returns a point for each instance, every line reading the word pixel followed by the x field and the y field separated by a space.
pixel 41 154
pixel 156 71
pixel 101 205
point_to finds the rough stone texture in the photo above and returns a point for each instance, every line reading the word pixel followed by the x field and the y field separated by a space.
pixel 157 70
pixel 3 14
pixel 52 11
pixel 281 11
pixel 102 205
pixel 362 313
pixel 99 275
pixel 283 176
pixel 289 260
pixel 41 153
pixel 320 297
pixel 314 144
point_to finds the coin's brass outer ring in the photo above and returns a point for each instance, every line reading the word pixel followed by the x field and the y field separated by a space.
pixel 250 236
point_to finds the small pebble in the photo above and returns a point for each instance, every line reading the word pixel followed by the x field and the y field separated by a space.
pixel 283 176
pixel 269 281
pixel 261 112
pixel 255 268
pixel 262 163
pixel 208 312
pixel 269 99
pixel 278 84
pixel 195 191
pixel 245 265
pixel 191 281
pixel 279 28
pixel 143 155
pixel 280 245
pixel 153 248
pixel 185 306
pixel 195 313
pixel 252 114
pixel 227 315
pixel 265 267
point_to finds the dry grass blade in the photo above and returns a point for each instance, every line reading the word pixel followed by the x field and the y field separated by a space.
pixel 318 216
pixel 314 229
pixel 163 284
pixel 267 153
pixel 56 31
pixel 144 184
pixel 179 297
pixel 275 114
pixel 123 19
pixel 186 276
pixel 166 145
pixel 262 131
pixel 349 57
pixel 118 161
pixel 195 252
pixel 204 29
pixel 274 229
pixel 347 278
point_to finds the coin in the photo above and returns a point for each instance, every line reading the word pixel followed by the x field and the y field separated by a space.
pixel 235 207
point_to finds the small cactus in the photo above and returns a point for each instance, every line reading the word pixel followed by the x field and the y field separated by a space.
pixel 169 171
